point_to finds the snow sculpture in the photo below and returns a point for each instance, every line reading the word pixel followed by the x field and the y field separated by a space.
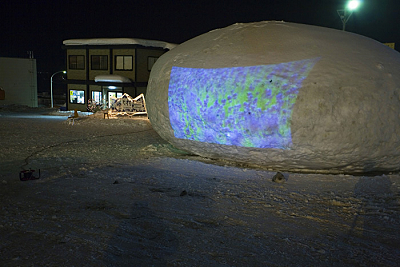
pixel 282 95
pixel 128 105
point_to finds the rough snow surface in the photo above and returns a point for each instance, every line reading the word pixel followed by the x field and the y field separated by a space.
pixel 113 193
pixel 281 95
pixel 120 41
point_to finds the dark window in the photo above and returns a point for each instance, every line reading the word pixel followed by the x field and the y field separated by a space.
pixel 77 62
pixel 99 62
pixel 124 62
pixel 150 62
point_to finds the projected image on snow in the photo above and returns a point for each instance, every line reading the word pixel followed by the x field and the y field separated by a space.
pixel 241 106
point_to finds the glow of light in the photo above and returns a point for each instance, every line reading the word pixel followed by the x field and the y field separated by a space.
pixel 112 87
pixel 242 106
pixel 353 5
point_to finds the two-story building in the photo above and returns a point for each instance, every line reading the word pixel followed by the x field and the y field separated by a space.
pixel 99 69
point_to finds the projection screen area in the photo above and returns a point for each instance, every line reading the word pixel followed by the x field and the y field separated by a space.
pixel 241 106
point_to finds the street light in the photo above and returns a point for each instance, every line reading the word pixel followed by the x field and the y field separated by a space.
pixel 51 85
pixel 346 13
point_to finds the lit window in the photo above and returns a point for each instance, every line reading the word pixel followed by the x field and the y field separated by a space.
pixel 96 96
pixel 99 62
pixel 124 62
pixel 77 62
pixel 77 96
pixel 150 62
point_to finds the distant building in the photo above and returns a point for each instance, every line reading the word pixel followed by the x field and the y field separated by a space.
pixel 18 81
pixel 98 69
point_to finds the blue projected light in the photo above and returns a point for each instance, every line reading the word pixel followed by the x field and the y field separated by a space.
pixel 241 106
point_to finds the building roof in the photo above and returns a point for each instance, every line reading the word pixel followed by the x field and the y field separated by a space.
pixel 119 41
pixel 112 78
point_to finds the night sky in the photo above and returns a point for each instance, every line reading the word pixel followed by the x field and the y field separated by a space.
pixel 41 25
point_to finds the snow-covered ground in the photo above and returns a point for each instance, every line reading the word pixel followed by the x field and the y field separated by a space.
pixel 113 193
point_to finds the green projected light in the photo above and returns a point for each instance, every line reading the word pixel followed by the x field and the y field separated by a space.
pixel 241 106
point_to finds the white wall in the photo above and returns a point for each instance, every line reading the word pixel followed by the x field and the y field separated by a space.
pixel 18 78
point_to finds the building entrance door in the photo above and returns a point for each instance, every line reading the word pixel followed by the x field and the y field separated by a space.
pixel 112 97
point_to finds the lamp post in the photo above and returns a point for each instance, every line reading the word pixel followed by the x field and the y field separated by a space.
pixel 51 85
pixel 346 13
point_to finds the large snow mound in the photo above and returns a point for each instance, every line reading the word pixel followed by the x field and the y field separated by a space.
pixel 282 95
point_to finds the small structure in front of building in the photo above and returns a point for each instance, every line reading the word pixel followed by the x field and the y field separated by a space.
pixel 128 105
pixel 121 106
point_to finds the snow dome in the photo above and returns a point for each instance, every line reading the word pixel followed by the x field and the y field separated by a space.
pixel 282 95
